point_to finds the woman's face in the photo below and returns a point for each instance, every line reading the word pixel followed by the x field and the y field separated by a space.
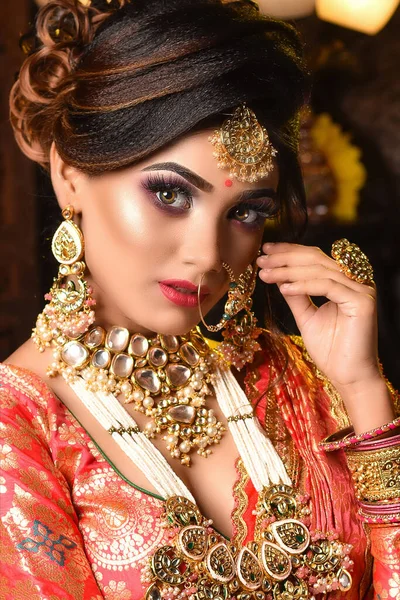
pixel 152 230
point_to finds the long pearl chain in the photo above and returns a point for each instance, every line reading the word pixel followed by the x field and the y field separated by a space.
pixel 259 456
pixel 112 416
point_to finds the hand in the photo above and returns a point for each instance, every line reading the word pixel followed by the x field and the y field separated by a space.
pixel 341 335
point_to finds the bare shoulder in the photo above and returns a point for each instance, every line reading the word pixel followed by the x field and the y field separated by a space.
pixel 28 357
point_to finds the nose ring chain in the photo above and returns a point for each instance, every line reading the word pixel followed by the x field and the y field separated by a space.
pixel 238 296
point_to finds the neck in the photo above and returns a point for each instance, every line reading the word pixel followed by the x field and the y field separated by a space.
pixel 108 315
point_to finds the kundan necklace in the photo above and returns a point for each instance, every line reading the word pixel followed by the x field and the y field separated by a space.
pixel 285 560
pixel 166 377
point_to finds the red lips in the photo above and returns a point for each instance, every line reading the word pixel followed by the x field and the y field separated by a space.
pixel 182 292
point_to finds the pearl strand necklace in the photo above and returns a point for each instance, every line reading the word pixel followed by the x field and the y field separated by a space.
pixel 258 454
pixel 112 416
pixel 261 460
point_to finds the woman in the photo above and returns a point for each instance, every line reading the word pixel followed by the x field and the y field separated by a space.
pixel 170 130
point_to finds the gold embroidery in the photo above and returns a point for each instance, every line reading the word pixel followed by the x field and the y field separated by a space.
pixel 70 433
pixel 3 487
pixel 8 458
pixel 276 430
pixel 394 582
pixel 8 399
pixel 386 544
pixel 380 591
pixel 37 481
pixel 19 437
pixel 366 577
pixel 18 520
pixel 116 590
pixel 241 502
pixel 26 383
pixel 67 461
pixel 22 590
pixel 118 526
pixel 274 424
pixel 337 408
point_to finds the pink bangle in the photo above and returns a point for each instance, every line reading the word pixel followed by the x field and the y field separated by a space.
pixel 378 444
pixel 346 438
pixel 376 514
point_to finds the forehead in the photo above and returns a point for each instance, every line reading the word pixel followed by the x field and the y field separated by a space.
pixel 195 152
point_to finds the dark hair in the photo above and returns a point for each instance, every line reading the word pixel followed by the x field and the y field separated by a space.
pixel 112 84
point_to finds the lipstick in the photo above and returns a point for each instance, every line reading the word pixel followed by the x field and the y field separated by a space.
pixel 182 293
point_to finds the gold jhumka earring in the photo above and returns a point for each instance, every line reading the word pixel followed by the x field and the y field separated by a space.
pixel 238 321
pixel 69 313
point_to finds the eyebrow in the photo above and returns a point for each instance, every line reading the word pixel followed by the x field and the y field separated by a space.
pixel 257 194
pixel 204 185
pixel 193 178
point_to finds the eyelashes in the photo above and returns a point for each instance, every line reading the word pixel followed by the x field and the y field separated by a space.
pixel 256 212
pixel 174 197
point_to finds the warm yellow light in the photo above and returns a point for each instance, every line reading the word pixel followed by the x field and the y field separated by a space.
pixel 84 2
pixel 368 16
pixel 286 9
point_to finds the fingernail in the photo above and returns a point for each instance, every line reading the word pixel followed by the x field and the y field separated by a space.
pixel 268 245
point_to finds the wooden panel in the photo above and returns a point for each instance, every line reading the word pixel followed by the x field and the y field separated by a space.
pixel 18 256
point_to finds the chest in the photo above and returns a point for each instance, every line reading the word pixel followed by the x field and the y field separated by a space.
pixel 210 480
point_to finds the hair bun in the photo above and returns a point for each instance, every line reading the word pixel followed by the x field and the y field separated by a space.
pixel 62 31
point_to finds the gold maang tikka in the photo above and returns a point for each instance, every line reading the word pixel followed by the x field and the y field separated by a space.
pixel 242 145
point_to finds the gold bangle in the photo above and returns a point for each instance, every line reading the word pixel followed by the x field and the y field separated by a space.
pixel 375 473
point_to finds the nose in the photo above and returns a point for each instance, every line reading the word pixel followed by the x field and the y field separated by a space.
pixel 202 247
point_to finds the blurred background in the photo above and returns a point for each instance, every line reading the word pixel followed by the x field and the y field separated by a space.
pixel 350 154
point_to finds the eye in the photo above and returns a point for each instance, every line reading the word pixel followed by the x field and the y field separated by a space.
pixel 244 214
pixel 168 193
pixel 178 198
pixel 254 213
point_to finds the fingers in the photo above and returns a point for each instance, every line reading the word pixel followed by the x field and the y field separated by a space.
pixel 301 305
pixel 279 255
pixel 352 303
pixel 288 263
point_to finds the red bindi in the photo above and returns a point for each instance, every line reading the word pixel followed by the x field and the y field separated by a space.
pixel 228 182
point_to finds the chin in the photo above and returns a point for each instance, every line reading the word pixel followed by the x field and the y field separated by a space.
pixel 164 324
pixel 177 328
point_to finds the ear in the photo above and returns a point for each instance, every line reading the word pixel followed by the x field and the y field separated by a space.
pixel 67 181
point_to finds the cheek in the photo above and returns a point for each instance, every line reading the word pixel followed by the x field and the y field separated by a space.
pixel 243 247
pixel 123 225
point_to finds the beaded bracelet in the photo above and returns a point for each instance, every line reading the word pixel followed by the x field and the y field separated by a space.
pixel 348 439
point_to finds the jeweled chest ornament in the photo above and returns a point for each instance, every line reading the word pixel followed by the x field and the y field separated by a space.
pixel 284 562
pixel 242 145
pixel 166 377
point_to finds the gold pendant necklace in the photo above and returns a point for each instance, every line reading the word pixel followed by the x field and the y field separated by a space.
pixel 284 562
pixel 166 377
